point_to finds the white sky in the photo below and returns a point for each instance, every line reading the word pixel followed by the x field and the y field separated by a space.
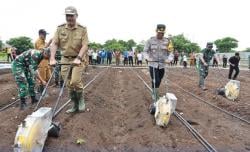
pixel 199 20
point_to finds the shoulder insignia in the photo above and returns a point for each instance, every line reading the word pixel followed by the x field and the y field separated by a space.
pixel 81 25
pixel 62 25
pixel 152 37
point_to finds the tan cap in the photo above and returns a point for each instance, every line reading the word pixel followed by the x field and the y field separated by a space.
pixel 71 10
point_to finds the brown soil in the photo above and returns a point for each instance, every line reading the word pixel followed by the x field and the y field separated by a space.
pixel 119 120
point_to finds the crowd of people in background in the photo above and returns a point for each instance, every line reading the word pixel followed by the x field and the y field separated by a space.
pixel 135 58
pixel 105 57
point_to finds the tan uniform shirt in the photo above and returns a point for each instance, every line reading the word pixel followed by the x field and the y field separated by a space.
pixel 39 44
pixel 70 40
pixel 9 50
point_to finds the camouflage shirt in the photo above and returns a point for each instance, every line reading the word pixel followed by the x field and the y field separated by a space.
pixel 29 60
pixel 207 55
pixel 157 50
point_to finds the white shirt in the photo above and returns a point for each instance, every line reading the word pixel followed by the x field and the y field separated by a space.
pixel 185 58
pixel 130 53
pixel 139 56
pixel 94 56
pixel 90 52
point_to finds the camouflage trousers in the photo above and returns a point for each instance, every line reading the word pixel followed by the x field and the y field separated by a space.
pixel 58 76
pixel 203 72
pixel 24 79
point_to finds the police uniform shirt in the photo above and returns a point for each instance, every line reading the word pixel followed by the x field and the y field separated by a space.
pixel 157 50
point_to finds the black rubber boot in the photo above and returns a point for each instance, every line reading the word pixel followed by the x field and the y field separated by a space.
pixel 61 83
pixel 34 99
pixel 23 104
pixel 56 83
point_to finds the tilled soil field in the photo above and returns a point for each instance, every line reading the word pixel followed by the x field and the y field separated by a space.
pixel 118 117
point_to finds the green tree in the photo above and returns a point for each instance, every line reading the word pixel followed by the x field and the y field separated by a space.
pixel 22 43
pixel 139 47
pixel 130 44
pixel 226 44
pixel 114 44
pixel 94 45
pixel 247 50
pixel 1 44
pixel 181 43
pixel 119 44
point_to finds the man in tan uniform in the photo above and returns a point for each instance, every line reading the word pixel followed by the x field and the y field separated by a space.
pixel 72 39
pixel 43 68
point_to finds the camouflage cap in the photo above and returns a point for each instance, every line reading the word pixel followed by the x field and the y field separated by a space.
pixel 70 10
pixel 160 28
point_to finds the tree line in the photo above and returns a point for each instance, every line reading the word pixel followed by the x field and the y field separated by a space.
pixel 180 42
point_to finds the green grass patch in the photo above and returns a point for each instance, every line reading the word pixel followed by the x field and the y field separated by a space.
pixel 3 56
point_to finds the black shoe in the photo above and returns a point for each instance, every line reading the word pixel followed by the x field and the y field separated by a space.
pixel 152 109
pixel 33 99
pixel 23 104
pixel 61 83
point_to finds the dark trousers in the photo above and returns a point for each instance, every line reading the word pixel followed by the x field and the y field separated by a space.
pixel 98 60
pixel 237 70
pixel 224 64
pixel 94 61
pixel 90 59
pixel 125 61
pixel 159 73
pixel 215 63
pixel 184 64
pixel 109 59
pixel 139 62
pixel 130 60
pixel 175 61
pixel 9 57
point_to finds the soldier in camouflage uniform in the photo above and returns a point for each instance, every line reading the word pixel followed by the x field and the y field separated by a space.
pixel 207 54
pixel 157 49
pixel 24 69
pixel 72 39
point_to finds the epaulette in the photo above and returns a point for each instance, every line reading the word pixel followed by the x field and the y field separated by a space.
pixel 153 37
pixel 81 26
pixel 62 25
pixel 166 38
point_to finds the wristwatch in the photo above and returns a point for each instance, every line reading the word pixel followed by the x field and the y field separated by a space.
pixel 80 58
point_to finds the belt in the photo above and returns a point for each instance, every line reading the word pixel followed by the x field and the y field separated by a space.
pixel 70 57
